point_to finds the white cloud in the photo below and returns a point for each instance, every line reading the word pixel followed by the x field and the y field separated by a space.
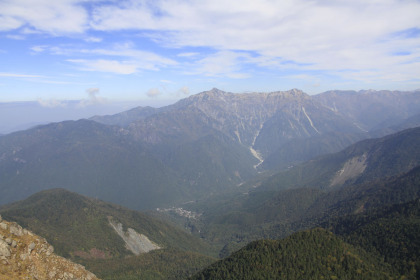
pixel 93 98
pixel 153 92
pixel 221 38
pixel 224 63
pixel 143 59
pixel 188 54
pixel 184 90
pixel 55 17
pixel 38 49
pixel 102 65
pixel 8 22
pixel 326 35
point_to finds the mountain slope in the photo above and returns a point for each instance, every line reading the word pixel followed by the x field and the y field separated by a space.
pixel 106 162
pixel 84 223
pixel 313 254
pixel 27 256
pixel 86 157
pixel 301 150
pixel 390 232
pixel 86 231
pixel 361 162
pixel 363 197
pixel 235 219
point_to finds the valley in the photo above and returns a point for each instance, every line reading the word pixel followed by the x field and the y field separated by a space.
pixel 220 181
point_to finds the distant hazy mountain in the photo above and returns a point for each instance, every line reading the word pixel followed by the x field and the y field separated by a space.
pixel 260 121
pixel 372 109
pixel 103 161
pixel 126 117
pixel 16 116
pixel 202 145
pixel 272 124
pixel 87 157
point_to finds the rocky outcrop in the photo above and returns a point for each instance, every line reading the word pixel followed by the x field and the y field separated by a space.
pixel 24 255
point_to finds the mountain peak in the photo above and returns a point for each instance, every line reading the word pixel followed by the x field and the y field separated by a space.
pixel 215 92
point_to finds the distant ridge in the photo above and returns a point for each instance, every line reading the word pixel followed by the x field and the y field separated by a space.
pixel 205 144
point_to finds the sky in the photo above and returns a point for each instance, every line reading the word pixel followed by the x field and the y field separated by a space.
pixel 96 51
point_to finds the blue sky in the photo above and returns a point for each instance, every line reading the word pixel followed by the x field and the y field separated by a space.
pixel 99 51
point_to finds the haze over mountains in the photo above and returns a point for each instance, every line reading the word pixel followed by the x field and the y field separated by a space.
pixel 225 169
pixel 209 142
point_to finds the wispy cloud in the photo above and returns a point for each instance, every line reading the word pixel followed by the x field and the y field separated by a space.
pixel 16 37
pixel 16 75
pixel 223 63
pixel 188 54
pixel 51 103
pixel 125 58
pixel 93 39
pixel 102 65
pixel 360 41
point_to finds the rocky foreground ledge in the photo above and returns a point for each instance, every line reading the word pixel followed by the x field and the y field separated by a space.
pixel 24 255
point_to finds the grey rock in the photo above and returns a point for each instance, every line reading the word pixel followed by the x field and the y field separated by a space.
pixel 50 250
pixel 3 226
pixel 23 256
pixel 16 230
pixel 4 249
pixel 31 247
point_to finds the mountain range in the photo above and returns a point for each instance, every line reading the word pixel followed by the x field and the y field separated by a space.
pixel 205 144
pixel 217 170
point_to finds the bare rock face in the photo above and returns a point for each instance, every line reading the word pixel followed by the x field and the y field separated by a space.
pixel 24 255
pixel 135 242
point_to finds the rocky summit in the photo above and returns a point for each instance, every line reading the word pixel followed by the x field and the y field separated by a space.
pixel 24 255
